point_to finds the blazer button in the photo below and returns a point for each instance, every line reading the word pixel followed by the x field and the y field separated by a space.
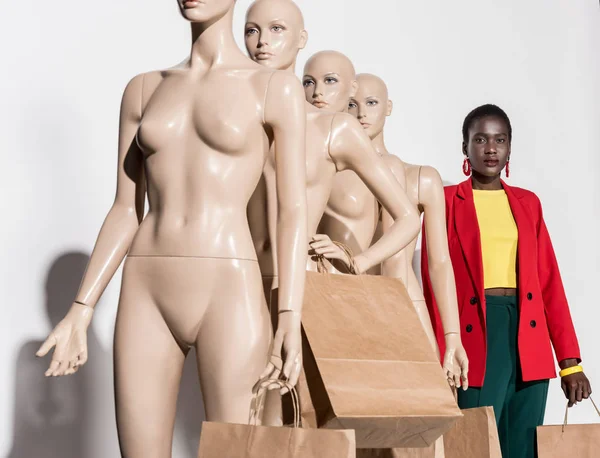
pixel 529 296
pixel 532 323
pixel 469 328
pixel 474 301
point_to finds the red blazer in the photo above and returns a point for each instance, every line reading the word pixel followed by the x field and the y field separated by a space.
pixel 544 315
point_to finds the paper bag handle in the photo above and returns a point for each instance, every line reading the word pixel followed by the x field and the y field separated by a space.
pixel 322 268
pixel 258 401
pixel 567 413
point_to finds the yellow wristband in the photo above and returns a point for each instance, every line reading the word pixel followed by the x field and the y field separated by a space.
pixel 570 370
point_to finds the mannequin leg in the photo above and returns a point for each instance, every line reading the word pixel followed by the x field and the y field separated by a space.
pixel 233 342
pixel 148 364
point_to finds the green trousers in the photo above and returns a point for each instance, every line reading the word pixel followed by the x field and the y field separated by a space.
pixel 519 406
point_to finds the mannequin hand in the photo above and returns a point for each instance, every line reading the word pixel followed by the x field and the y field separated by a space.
pixel 322 245
pixel 576 386
pixel 287 352
pixel 70 338
pixel 456 362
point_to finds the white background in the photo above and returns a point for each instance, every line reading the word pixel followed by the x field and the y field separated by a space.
pixel 65 65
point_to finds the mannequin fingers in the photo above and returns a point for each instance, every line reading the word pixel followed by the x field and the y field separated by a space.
pixel 464 374
pixel 319 237
pixel 71 369
pixel 321 244
pixel 46 346
pixel 295 375
pixel 457 380
pixel 291 363
pixel 54 364
pixel 60 370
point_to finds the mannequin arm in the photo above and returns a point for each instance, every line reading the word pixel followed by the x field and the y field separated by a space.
pixel 126 213
pixel 441 273
pixel 285 114
pixel 395 266
pixel 120 225
pixel 351 148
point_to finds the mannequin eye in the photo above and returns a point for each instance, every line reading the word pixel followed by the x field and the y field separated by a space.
pixel 308 83
pixel 479 140
pixel 251 31
pixel 501 140
pixel 277 28
pixel 352 105
pixel 330 80
pixel 372 103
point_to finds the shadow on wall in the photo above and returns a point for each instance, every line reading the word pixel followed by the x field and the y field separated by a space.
pixel 52 415
pixel 55 417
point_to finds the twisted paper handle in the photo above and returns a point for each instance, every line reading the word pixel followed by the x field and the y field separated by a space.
pixel 321 268
pixel 258 401
pixel 567 413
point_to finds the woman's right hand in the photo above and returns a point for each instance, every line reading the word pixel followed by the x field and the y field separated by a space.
pixel 70 338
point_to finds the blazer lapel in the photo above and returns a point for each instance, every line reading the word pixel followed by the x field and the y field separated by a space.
pixel 527 243
pixel 467 229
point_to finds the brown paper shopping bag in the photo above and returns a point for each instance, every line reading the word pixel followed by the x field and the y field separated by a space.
pixel 474 435
pixel 368 364
pixel 225 440
pixel 574 441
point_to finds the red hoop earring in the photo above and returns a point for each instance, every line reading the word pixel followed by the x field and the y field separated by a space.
pixel 467 167
pixel 507 169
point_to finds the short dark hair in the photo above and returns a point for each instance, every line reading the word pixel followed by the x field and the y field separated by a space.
pixel 481 112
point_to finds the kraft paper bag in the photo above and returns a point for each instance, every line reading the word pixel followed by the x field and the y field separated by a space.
pixel 423 452
pixel 580 441
pixel 368 364
pixel 475 435
pixel 225 440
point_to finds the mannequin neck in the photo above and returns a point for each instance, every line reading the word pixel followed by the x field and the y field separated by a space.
pixel 213 43
pixel 379 144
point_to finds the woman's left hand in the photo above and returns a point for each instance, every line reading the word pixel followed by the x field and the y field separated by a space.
pixel 576 386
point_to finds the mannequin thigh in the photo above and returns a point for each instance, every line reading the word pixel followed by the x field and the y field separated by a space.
pixel 234 342
pixel 148 364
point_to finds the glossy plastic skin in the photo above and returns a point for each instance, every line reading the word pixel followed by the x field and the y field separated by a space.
pixel 274 34
pixel 196 137
pixel 371 106
pixel 352 212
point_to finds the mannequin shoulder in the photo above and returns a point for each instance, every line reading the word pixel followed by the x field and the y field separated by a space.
pixel 140 88
pixel 279 83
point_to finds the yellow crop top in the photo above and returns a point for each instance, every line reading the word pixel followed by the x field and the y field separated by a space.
pixel 499 237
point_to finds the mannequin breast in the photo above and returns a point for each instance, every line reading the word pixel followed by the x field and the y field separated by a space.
pixel 351 214
pixel 204 146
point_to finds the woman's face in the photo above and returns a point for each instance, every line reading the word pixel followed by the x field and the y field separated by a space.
pixel 274 33
pixel 488 145
pixel 204 10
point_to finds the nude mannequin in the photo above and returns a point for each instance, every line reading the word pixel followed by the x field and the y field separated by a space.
pixel 371 106
pixel 196 136
pixel 352 212
pixel 274 34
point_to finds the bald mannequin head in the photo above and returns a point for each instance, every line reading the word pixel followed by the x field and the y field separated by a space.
pixel 371 104
pixel 274 33
pixel 329 80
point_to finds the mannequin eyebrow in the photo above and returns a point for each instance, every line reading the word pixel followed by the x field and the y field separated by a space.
pixel 278 22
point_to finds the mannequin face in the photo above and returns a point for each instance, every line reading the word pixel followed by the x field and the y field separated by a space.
pixel 371 105
pixel 274 33
pixel 488 145
pixel 204 10
pixel 329 81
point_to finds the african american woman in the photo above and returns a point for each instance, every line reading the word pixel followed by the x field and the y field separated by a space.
pixel 512 303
